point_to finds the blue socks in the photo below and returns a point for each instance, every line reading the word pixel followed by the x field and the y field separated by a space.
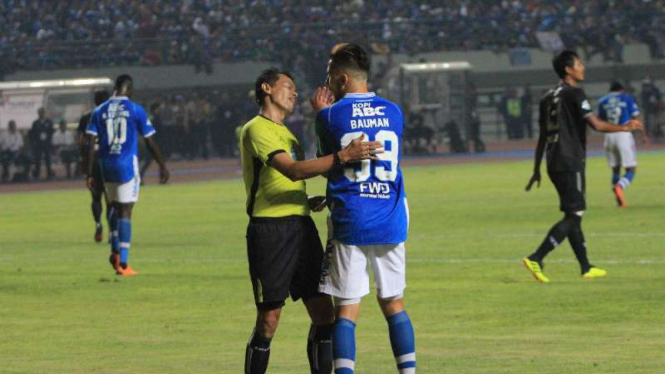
pixel 112 217
pixel 403 342
pixel 625 181
pixel 125 236
pixel 344 346
pixel 615 178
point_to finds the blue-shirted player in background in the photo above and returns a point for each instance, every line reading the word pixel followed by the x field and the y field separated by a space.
pixel 369 214
pixel 618 107
pixel 118 123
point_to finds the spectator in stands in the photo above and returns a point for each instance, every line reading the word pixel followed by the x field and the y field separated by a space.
pixel 64 145
pixel 510 108
pixel 11 144
pixel 527 110
pixel 651 102
pixel 41 136
pixel 169 130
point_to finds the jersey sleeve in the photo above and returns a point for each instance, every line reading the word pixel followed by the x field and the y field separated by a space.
pixel 323 142
pixel 93 125
pixel 632 107
pixel 602 113
pixel 145 127
pixel 581 102
pixel 261 143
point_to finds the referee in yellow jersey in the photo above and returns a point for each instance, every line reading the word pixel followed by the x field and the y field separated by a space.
pixel 283 245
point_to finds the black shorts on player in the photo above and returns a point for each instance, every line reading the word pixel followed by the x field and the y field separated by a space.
pixel 285 256
pixel 571 187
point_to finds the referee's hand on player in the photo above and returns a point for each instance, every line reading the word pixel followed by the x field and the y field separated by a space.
pixel 359 150
pixel 535 178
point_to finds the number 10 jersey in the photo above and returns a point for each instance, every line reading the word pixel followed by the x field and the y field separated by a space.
pixel 117 123
pixel 367 199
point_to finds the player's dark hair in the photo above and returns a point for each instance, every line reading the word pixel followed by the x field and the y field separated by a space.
pixel 351 57
pixel 122 81
pixel 270 77
pixel 101 96
pixel 562 60
pixel 616 86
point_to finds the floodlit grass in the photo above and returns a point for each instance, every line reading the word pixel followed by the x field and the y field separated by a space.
pixel 474 307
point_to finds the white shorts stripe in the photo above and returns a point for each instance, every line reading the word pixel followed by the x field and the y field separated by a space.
pixel 406 358
pixel 344 363
pixel 124 245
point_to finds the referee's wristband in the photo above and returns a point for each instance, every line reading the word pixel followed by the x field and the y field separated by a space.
pixel 337 160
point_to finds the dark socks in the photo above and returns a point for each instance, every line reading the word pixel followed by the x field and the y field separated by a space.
pixel 555 236
pixel 257 354
pixel 319 349
pixel 576 239
pixel 569 227
pixel 97 211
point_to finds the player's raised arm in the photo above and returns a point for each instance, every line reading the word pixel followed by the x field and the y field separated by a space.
pixel 357 150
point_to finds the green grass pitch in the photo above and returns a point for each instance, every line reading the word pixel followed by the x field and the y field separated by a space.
pixel 474 307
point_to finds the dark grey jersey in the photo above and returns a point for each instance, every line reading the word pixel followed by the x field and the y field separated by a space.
pixel 563 112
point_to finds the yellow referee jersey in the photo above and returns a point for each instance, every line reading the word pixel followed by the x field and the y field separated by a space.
pixel 269 192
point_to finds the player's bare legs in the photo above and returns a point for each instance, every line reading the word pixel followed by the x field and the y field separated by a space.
pixel 319 342
pixel 267 322
pixel 257 352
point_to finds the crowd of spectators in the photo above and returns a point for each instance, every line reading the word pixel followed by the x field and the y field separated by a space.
pixel 38 34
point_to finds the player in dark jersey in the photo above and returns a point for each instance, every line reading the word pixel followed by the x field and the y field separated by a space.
pixel 100 97
pixel 564 114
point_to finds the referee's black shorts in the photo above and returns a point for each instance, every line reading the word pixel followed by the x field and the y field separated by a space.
pixel 571 187
pixel 285 256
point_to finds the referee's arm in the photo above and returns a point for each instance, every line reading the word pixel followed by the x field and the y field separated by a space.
pixel 357 150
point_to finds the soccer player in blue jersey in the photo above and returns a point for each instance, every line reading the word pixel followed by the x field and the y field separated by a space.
pixel 369 214
pixel 618 107
pixel 118 123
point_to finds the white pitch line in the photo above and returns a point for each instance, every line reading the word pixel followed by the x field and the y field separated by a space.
pixel 612 234
pixel 518 261
pixel 419 260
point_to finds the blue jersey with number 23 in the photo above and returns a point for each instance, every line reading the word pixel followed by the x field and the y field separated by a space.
pixel 367 199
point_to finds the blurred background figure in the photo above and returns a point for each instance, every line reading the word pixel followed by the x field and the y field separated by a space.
pixel 41 137
pixel 12 155
pixel 64 146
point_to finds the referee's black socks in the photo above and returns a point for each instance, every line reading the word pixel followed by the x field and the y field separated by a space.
pixel 257 354
pixel 319 349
